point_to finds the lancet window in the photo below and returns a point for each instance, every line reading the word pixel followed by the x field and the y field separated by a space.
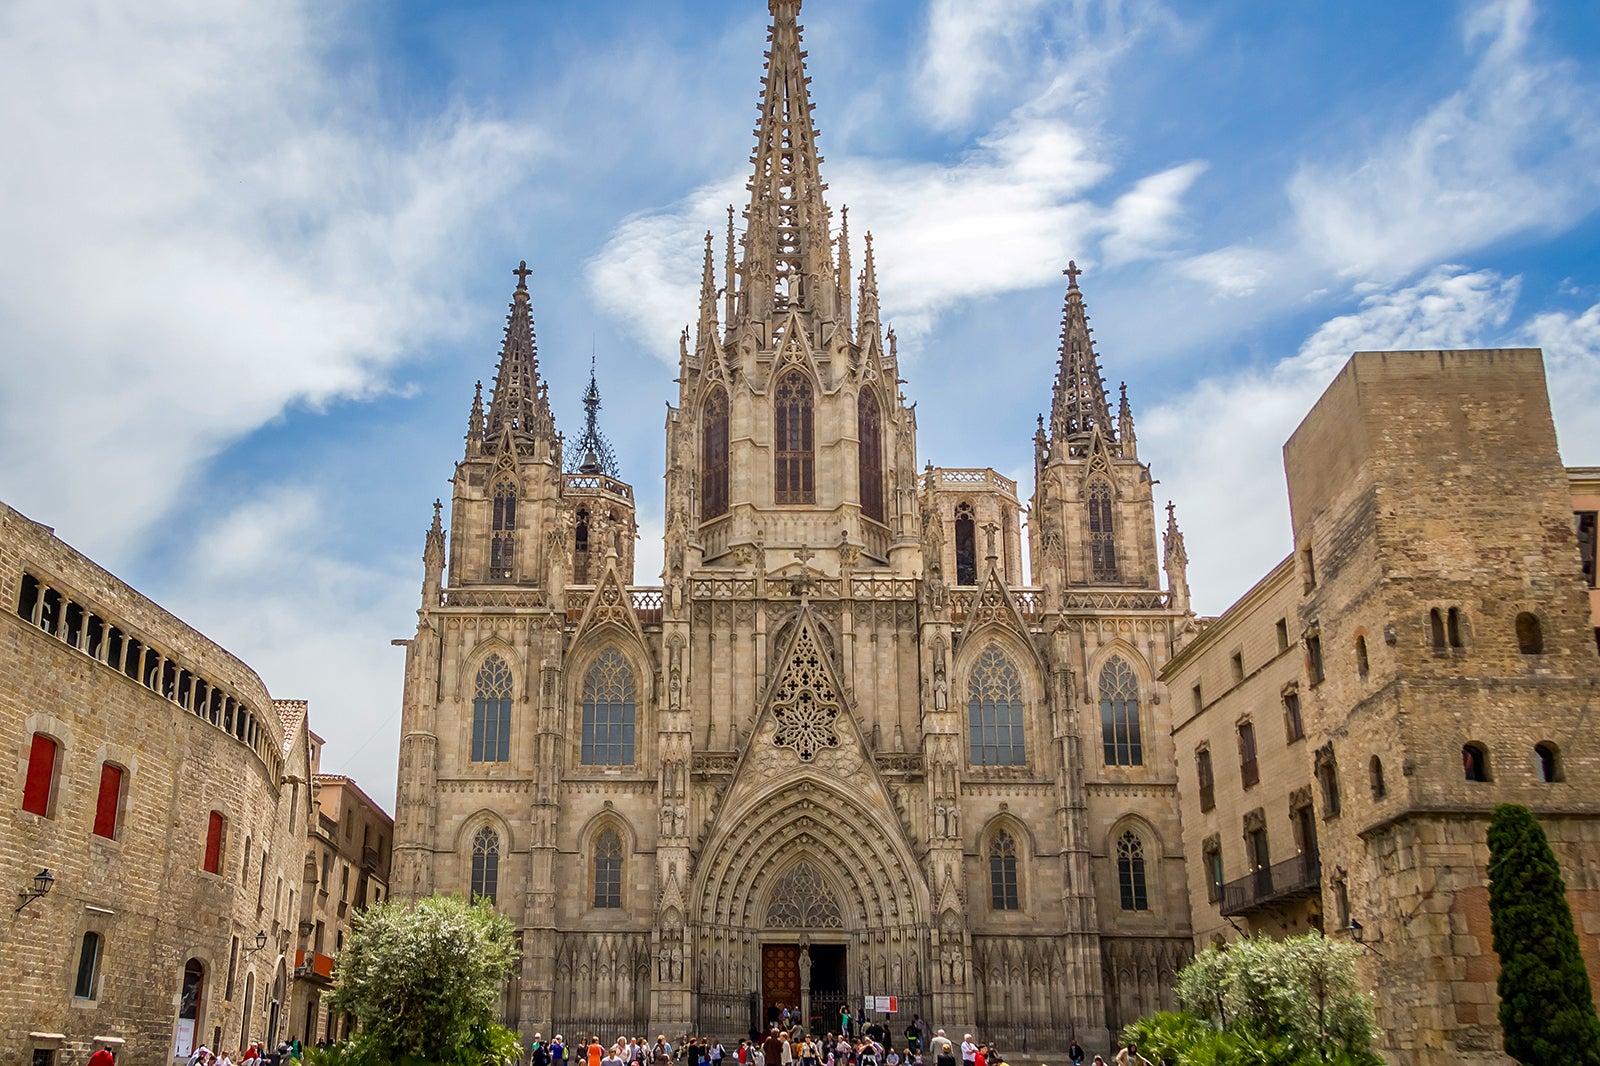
pixel 869 432
pixel 994 712
pixel 580 548
pixel 966 545
pixel 714 455
pixel 1003 872
pixel 796 453
pixel 486 864
pixel 1102 534
pixel 1119 714
pixel 503 535
pixel 608 870
pixel 491 712
pixel 1130 873
pixel 609 712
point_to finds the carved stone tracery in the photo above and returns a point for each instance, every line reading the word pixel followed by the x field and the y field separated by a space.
pixel 806 705
pixel 802 900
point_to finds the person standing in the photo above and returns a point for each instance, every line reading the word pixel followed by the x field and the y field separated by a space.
pixel 969 1051
pixel 596 1052
pixel 1129 1056
pixel 943 1051
pixel 844 1020
pixel 1075 1052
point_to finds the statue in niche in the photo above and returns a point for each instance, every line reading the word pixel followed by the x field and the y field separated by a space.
pixel 805 967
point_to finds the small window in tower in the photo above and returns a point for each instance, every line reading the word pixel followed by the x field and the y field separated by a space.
pixel 215 831
pixel 108 803
pixel 1362 665
pixel 28 597
pixel 1314 657
pixel 503 536
pixel 1586 544
pixel 1375 772
pixel 1308 569
pixel 1456 627
pixel 1475 763
pixel 1102 533
pixel 1328 778
pixel 1548 762
pixel 966 545
pixel 1530 635
pixel 580 548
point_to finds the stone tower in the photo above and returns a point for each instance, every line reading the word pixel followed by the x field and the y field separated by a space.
pixel 839 752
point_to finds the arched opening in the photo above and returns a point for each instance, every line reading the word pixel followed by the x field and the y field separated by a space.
pixel 1456 628
pixel 1328 778
pixel 1003 895
pixel 794 446
pixel 1547 758
pixel 714 455
pixel 869 464
pixel 1436 629
pixel 88 980
pixel 580 548
pixel 966 545
pixel 491 712
pixel 1475 762
pixel 1375 772
pixel 608 712
pixel 503 534
pixel 1530 634
pixel 190 1004
pixel 1102 533
pixel 1119 714
pixel 608 870
pixel 486 864
pixel 1362 665
pixel 1130 872
pixel 995 735
pixel 246 1008
pixel 275 1008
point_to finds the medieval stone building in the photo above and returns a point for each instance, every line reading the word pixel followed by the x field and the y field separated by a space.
pixel 850 746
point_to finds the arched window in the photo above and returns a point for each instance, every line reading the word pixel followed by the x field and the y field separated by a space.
pixel 491 712
pixel 486 864
pixel 1456 628
pixel 1375 771
pixel 215 825
pixel 1328 776
pixel 108 803
pixel 994 712
pixel 88 967
pixel 503 536
pixel 1003 872
pixel 608 712
pixel 869 455
pixel 966 545
pixel 1119 714
pixel 1102 534
pixel 796 458
pixel 1362 665
pixel 1548 761
pixel 580 548
pixel 189 1002
pixel 1530 635
pixel 1475 762
pixel 1436 629
pixel 608 870
pixel 1130 872
pixel 714 455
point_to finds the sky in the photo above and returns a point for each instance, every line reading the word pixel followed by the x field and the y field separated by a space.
pixel 254 256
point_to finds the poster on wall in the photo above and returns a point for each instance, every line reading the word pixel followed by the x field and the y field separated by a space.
pixel 185 1043
pixel 881 1004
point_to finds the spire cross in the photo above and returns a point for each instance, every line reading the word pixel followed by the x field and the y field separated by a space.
pixel 522 273
pixel 802 585
pixel 1170 517
pixel 1072 272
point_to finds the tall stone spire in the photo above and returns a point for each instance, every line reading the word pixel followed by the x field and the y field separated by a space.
pixel 475 421
pixel 706 329
pixel 788 261
pixel 1175 560
pixel 1080 405
pixel 594 451
pixel 520 403
pixel 1130 443
pixel 868 312
pixel 842 277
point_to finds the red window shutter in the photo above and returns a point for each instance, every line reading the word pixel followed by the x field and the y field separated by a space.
pixel 214 844
pixel 41 773
pixel 105 808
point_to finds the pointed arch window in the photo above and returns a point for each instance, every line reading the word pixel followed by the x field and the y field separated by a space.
pixel 491 712
pixel 994 712
pixel 1130 873
pixel 1003 872
pixel 1102 533
pixel 793 404
pixel 1119 714
pixel 966 545
pixel 869 433
pixel 486 864
pixel 714 455
pixel 503 534
pixel 608 870
pixel 608 712
pixel 580 548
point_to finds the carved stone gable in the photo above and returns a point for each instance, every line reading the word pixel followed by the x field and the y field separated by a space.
pixel 805 705
pixel 801 900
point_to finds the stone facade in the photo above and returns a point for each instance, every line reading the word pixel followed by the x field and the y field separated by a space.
pixel 1443 652
pixel 848 747
pixel 152 774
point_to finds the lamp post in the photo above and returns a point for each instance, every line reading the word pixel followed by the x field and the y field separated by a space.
pixel 261 942
pixel 43 882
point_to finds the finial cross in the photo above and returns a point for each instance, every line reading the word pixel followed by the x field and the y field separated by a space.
pixel 522 273
pixel 1072 272
pixel 802 585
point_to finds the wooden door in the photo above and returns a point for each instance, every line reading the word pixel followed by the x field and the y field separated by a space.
pixel 780 980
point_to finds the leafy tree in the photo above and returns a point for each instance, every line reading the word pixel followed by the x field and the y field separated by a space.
pixel 422 981
pixel 1546 1003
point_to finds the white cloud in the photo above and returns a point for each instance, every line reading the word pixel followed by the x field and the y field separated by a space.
pixel 1571 344
pixel 1220 445
pixel 1145 220
pixel 971 51
pixel 206 225
pixel 1517 148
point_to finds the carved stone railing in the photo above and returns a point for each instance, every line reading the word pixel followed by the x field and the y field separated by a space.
pixel 714 762
pixel 877 540
pixel 646 604
pixel 493 597
pixel 1115 600
pixel 907 763
pixel 598 483
pixel 970 477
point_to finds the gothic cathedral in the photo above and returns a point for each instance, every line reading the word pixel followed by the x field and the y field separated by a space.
pixel 850 746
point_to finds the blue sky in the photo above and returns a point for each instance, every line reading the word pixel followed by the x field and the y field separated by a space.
pixel 253 257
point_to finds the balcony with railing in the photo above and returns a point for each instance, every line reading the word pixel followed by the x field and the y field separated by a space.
pixel 1267 886
pixel 314 966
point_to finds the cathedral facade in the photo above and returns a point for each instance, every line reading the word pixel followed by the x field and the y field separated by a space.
pixel 850 746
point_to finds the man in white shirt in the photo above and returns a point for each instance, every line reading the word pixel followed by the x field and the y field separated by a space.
pixel 969 1050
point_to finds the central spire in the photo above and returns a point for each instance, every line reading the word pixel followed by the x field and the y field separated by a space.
pixel 1080 406
pixel 519 404
pixel 788 258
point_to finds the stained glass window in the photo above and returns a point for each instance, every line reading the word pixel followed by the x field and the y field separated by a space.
pixel 608 870
pixel 796 456
pixel 491 712
pixel 608 712
pixel 994 712
pixel 1003 872
pixel 714 455
pixel 1130 872
pixel 486 864
pixel 869 431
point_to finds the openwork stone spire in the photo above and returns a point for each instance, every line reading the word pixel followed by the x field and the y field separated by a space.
pixel 520 402
pixel 1080 405
pixel 788 261
pixel 594 451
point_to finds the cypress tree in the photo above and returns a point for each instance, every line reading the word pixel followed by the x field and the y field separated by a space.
pixel 1546 1004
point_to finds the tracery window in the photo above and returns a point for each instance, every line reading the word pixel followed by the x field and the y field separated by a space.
pixel 608 870
pixel 486 864
pixel 994 712
pixel 491 712
pixel 714 455
pixel 801 900
pixel 869 433
pixel 966 545
pixel 1130 872
pixel 1003 872
pixel 805 706
pixel 1102 534
pixel 796 457
pixel 503 534
pixel 1119 714
pixel 608 712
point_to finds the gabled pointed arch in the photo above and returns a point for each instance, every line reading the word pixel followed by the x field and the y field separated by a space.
pixel 1135 851
pixel 714 454
pixel 869 455
pixel 609 712
pixel 1006 846
pixel 794 397
pixel 1122 737
pixel 587 653
pixel 996 702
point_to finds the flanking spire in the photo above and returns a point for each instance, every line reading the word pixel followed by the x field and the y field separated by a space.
pixel 1175 560
pixel 868 321
pixel 520 403
pixel 1080 405
pixel 594 451
pixel 788 261
pixel 706 330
